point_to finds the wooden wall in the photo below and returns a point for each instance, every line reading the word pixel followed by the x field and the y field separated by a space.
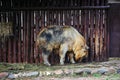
pixel 90 19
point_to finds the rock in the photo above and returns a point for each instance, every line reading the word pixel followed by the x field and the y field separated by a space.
pixel 87 70
pixel 118 71
pixel 111 70
pixel 3 74
pixel 59 72
pixel 25 74
pixel 94 71
pixel 66 71
pixel 45 73
pixel 82 71
pixel 102 70
pixel 12 76
pixel 78 71
pixel 28 74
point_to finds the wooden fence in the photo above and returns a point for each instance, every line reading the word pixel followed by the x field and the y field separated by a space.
pixel 90 21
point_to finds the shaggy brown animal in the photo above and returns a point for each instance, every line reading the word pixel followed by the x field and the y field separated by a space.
pixel 65 38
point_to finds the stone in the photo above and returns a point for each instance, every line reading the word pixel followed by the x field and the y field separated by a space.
pixel 45 73
pixel 25 74
pixel 111 70
pixel 28 74
pixel 83 71
pixel 58 72
pixel 67 71
pixel 118 71
pixel 102 70
pixel 87 70
pixel 12 76
pixel 3 74
pixel 94 71
pixel 78 71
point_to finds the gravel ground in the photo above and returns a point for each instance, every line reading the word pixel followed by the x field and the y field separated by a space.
pixel 113 65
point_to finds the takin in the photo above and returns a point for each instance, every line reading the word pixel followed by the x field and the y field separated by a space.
pixel 64 38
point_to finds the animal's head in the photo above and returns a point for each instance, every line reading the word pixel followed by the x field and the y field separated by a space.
pixel 80 53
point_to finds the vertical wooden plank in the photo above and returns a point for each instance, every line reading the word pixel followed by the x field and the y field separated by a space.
pixel 24 36
pixel 9 51
pixel 54 17
pixel 27 36
pixel 74 18
pixel 45 18
pixel 3 37
pixel 14 51
pixel 32 38
pixel 0 53
pixel 15 25
pixel 66 19
pixel 83 22
pixel 86 28
pixel 57 15
pixel 0 48
pixel 97 35
pixel 79 21
pixel 61 17
pixel 107 33
pixel 21 44
pixel 4 44
pixel 14 38
pixel 91 35
pixel 71 16
pixel 19 37
pixel 105 36
pixel 48 17
pixel 0 39
pixel 101 35
pixel 42 25
pixel 36 21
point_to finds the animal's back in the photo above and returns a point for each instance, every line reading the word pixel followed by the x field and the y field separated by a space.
pixel 59 34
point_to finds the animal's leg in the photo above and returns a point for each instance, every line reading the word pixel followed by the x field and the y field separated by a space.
pixel 45 58
pixel 71 56
pixel 63 50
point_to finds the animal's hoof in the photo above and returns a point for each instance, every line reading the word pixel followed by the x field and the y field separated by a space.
pixel 73 62
pixel 47 64
pixel 62 63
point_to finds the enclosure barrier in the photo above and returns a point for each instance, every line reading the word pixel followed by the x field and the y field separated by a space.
pixel 89 19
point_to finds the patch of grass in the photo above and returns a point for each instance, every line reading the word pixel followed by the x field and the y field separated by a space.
pixel 21 67
pixel 113 77
pixel 18 67
pixel 97 75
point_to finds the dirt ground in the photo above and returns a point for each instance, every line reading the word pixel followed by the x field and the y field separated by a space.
pixel 113 75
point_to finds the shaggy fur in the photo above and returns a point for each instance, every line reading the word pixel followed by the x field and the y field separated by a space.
pixel 65 38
